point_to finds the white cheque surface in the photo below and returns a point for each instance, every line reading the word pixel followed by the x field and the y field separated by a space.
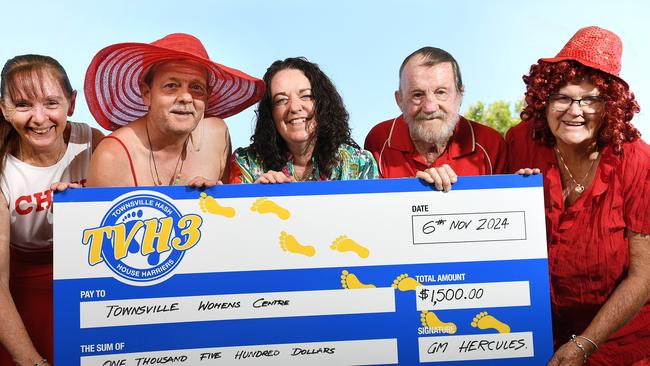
pixel 476 347
pixel 235 306
pixel 473 295
pixel 357 352
pixel 469 227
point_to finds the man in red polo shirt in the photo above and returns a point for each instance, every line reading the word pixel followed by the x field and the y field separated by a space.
pixel 430 140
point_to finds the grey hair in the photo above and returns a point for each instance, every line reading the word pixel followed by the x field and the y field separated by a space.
pixel 433 56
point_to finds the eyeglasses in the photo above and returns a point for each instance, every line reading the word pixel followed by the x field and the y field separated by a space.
pixel 588 104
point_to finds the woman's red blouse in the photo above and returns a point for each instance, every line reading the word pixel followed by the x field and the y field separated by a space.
pixel 588 251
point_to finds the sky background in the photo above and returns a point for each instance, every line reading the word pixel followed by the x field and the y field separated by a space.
pixel 358 44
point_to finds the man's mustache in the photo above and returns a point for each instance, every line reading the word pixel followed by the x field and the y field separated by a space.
pixel 182 109
pixel 428 116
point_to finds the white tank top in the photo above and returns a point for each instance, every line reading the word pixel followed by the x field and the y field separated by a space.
pixel 27 190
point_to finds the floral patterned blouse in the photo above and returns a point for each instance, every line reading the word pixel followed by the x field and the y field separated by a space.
pixel 352 163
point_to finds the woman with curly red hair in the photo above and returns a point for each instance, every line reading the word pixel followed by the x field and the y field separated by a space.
pixel 577 131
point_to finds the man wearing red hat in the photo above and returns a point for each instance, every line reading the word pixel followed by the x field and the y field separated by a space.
pixel 430 140
pixel 577 130
pixel 165 101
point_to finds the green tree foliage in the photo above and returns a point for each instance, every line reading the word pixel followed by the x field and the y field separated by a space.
pixel 498 115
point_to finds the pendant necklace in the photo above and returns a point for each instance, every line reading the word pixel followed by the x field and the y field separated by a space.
pixel 176 177
pixel 306 174
pixel 579 188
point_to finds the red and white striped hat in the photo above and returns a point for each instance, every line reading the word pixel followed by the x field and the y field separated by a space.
pixel 112 83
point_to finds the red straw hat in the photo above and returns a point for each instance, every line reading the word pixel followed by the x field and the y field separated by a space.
pixel 112 84
pixel 594 47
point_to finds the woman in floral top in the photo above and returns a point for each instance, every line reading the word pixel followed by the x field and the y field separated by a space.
pixel 302 131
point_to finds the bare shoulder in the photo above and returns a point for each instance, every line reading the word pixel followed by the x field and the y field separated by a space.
pixel 215 125
pixel 213 132
pixel 97 137
pixel 111 152
pixel 116 142
pixel 110 149
pixel 111 161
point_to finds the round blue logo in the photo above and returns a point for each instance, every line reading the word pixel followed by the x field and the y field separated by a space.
pixel 138 249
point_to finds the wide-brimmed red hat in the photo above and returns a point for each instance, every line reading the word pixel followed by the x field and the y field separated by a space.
pixel 594 47
pixel 112 84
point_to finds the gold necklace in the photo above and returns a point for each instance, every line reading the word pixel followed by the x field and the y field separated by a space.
pixel 305 174
pixel 176 177
pixel 579 187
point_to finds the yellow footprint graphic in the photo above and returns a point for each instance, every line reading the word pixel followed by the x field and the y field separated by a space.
pixel 209 205
pixel 431 320
pixel 264 205
pixel 350 281
pixel 345 244
pixel 290 244
pixel 405 283
pixel 484 321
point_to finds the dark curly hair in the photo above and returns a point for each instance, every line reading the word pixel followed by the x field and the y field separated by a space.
pixel 546 78
pixel 332 127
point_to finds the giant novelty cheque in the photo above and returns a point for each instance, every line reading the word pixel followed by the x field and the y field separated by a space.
pixel 328 273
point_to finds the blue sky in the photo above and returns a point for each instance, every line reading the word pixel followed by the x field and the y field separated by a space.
pixel 359 44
